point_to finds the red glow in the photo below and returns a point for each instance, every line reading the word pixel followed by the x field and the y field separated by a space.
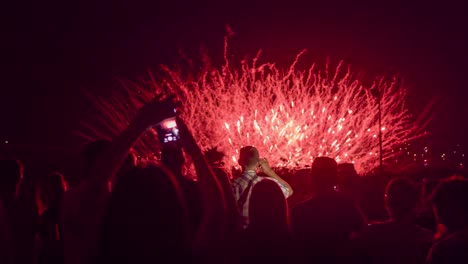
pixel 291 116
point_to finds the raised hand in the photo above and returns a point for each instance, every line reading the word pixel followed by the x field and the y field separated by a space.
pixel 264 166
pixel 212 227
pixel 269 172
pixel 157 110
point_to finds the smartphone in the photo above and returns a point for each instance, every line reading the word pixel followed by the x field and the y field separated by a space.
pixel 168 132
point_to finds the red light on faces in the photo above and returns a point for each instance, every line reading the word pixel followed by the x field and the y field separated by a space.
pixel 169 124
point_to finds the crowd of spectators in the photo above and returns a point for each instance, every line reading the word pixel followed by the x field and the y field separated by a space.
pixel 127 211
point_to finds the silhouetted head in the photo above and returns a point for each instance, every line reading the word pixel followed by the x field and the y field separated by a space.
pixel 402 198
pixel 248 158
pixel 346 170
pixel 91 152
pixel 146 218
pixel 268 209
pixel 50 190
pixel 347 175
pixel 214 157
pixel 11 173
pixel 324 174
pixel 173 159
pixel 450 199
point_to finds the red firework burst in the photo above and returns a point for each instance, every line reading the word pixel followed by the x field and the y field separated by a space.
pixel 291 116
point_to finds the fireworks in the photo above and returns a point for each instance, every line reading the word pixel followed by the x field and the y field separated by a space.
pixel 291 116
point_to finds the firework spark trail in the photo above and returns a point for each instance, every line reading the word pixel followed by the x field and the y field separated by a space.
pixel 290 116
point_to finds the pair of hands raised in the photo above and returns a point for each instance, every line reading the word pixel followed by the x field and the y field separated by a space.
pixel 161 108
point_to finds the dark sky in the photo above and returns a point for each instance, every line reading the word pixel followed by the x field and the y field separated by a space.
pixel 53 49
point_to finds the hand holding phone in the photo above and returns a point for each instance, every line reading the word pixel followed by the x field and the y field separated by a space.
pixel 168 132
pixel 158 110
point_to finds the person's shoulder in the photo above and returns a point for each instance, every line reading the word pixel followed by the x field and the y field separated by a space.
pixel 304 206
pixel 237 181
pixel 242 179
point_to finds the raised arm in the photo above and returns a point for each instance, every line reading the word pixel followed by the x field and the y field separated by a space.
pixel 82 217
pixel 265 168
pixel 150 114
pixel 212 227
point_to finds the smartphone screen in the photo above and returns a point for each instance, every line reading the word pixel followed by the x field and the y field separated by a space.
pixel 168 131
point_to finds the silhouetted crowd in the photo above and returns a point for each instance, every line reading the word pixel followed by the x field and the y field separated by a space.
pixel 125 210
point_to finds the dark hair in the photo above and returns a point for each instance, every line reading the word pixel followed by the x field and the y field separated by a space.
pixel 146 218
pixel 347 169
pixel 214 156
pixel 324 173
pixel 347 175
pixel 402 196
pixel 450 199
pixel 268 210
pixel 248 156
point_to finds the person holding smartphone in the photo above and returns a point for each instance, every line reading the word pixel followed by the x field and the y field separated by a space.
pixel 250 161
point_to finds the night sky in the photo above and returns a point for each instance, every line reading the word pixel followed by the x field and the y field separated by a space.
pixel 51 50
